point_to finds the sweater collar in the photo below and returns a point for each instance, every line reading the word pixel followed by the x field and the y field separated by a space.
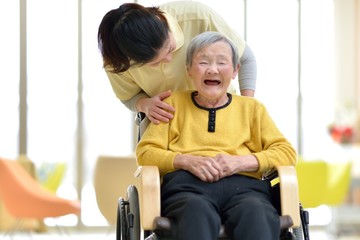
pixel 212 111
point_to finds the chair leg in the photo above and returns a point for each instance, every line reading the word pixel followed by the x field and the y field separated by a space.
pixel 16 226
pixel 62 231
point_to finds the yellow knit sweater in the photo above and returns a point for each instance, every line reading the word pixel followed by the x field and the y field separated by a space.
pixel 242 126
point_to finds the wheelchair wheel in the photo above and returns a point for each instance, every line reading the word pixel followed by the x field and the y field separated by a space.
pixel 121 221
pixel 133 213
pixel 302 232
pixel 287 235
pixel 298 233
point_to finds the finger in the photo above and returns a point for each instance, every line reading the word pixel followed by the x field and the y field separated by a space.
pixel 211 175
pixel 166 107
pixel 164 95
pixel 207 177
pixel 153 120
pixel 215 168
pixel 163 117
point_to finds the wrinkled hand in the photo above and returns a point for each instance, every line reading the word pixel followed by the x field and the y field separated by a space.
pixel 233 164
pixel 229 164
pixel 156 110
pixel 205 168
pixel 212 169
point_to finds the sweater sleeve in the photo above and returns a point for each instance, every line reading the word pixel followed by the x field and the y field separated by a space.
pixel 123 85
pixel 152 148
pixel 248 70
pixel 130 104
pixel 276 149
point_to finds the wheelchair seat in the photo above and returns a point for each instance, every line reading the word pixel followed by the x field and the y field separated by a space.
pixel 132 223
pixel 162 225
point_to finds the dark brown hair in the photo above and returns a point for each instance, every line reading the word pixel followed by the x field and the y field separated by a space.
pixel 131 35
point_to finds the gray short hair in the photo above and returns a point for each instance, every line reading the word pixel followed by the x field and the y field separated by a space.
pixel 207 38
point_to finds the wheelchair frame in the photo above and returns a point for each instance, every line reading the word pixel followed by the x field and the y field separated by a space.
pixel 133 224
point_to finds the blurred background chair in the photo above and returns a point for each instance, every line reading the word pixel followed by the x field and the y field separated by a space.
pixel 26 198
pixel 7 220
pixel 324 183
pixel 50 175
pixel 112 177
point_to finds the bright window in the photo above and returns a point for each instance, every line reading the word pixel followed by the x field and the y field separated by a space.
pixel 74 116
pixel 9 78
pixel 272 33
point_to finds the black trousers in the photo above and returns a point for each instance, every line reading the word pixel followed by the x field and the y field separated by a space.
pixel 197 209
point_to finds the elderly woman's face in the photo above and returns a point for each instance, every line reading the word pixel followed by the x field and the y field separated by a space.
pixel 212 70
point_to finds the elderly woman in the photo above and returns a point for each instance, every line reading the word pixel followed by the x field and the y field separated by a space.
pixel 212 154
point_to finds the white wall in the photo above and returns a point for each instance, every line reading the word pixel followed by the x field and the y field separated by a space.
pixel 347 50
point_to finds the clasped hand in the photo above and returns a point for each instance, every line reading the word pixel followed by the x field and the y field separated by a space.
pixel 210 169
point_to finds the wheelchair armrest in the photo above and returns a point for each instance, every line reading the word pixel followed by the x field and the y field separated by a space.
pixel 150 195
pixel 289 193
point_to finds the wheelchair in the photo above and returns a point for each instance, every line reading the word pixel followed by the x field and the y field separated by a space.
pixel 135 222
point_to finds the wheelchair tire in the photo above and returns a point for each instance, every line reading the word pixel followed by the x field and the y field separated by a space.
pixel 298 233
pixel 121 221
pixel 134 213
pixel 286 235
